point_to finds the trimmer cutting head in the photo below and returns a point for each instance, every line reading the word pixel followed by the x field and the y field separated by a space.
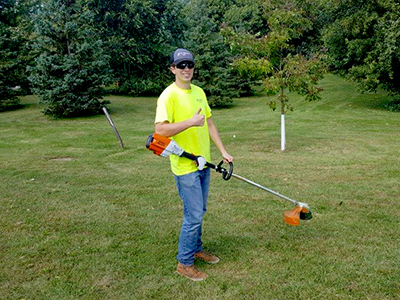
pixel 305 214
pixel 292 217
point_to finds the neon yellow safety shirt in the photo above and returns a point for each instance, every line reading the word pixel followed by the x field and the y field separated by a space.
pixel 176 105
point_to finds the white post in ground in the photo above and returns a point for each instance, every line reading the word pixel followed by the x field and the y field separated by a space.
pixel 283 137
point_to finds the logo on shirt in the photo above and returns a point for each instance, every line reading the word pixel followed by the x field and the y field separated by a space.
pixel 199 100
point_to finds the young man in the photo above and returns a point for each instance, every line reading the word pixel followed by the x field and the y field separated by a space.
pixel 184 115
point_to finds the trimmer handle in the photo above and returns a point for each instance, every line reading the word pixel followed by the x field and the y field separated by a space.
pixel 226 175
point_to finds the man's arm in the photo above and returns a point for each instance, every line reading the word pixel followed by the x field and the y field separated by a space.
pixel 170 129
pixel 215 137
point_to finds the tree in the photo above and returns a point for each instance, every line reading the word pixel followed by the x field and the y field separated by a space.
pixel 363 39
pixel 15 50
pixel 11 42
pixel 7 96
pixel 139 37
pixel 72 65
pixel 215 73
pixel 271 55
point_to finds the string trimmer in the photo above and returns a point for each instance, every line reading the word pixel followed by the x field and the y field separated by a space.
pixel 164 146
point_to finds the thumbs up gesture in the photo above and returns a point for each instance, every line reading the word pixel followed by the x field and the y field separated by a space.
pixel 198 119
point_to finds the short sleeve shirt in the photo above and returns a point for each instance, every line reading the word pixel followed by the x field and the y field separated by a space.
pixel 176 105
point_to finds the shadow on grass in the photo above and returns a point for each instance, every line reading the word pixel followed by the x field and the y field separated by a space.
pixel 225 106
pixel 229 245
pixel 388 104
pixel 379 100
pixel 372 101
pixel 13 107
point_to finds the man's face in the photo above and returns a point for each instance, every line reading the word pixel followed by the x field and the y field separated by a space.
pixel 182 72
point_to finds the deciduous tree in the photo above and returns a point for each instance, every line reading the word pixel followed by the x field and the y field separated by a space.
pixel 271 56
pixel 364 40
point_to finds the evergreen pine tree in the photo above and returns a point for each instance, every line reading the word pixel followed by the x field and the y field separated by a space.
pixel 8 56
pixel 214 58
pixel 72 66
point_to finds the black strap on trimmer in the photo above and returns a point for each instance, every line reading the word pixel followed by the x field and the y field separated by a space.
pixel 226 175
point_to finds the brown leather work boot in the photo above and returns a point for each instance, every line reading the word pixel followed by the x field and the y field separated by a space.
pixel 212 259
pixel 191 272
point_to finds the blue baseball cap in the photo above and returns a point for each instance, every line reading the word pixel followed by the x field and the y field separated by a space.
pixel 180 55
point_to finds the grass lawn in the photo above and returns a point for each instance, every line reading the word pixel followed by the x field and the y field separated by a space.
pixel 83 219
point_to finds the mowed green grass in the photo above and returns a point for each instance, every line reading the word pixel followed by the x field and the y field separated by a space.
pixel 83 219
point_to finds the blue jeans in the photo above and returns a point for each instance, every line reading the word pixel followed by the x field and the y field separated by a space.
pixel 193 191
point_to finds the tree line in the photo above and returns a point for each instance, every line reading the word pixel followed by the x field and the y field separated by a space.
pixel 71 52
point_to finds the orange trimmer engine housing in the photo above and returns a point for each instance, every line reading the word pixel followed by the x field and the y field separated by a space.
pixel 162 145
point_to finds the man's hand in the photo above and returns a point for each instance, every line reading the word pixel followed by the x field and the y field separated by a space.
pixel 197 119
pixel 227 157
pixel 170 129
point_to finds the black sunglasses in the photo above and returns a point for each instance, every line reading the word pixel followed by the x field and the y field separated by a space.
pixel 185 64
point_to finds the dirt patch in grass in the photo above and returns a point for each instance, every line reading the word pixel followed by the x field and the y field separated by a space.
pixel 61 158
